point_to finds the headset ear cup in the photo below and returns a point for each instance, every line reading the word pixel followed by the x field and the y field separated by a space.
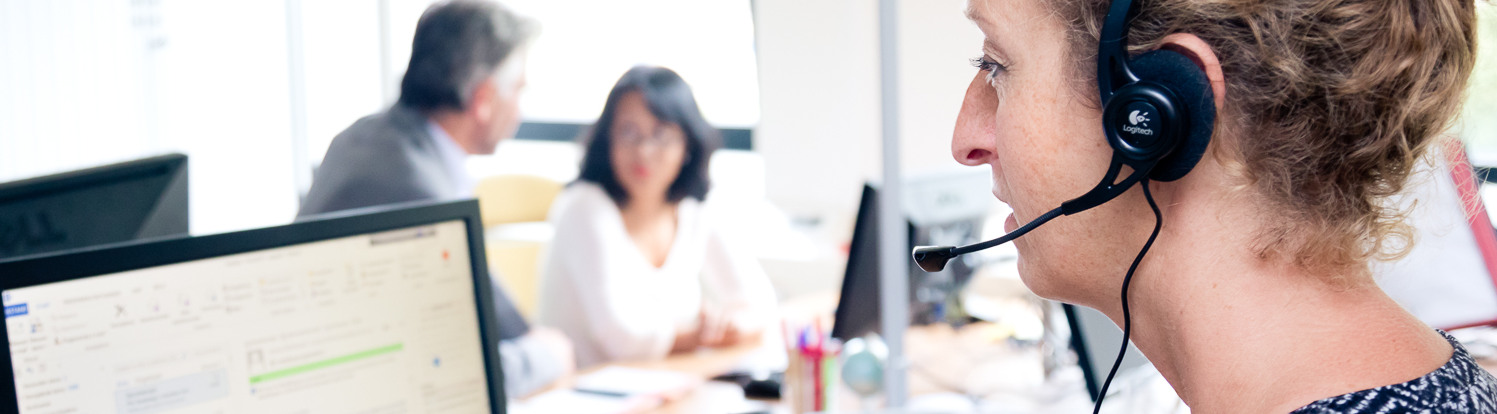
pixel 1181 75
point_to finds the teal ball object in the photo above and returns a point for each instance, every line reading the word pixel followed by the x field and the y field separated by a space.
pixel 863 365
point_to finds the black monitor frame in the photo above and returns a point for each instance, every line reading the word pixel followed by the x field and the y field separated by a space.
pixel 858 308
pixel 1083 353
pixel 167 217
pixel 103 260
pixel 1096 340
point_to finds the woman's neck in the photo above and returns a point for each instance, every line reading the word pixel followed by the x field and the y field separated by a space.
pixel 647 209
pixel 651 225
pixel 1234 332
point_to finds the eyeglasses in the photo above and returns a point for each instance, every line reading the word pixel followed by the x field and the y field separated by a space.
pixel 662 138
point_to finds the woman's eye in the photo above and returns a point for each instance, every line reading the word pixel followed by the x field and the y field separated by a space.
pixel 989 67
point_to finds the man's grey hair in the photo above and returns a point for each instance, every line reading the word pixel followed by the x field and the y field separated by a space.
pixel 457 45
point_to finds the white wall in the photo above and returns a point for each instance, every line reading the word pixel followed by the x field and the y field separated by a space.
pixel 226 104
pixel 936 44
pixel 49 65
pixel 91 82
pixel 819 127
pixel 342 67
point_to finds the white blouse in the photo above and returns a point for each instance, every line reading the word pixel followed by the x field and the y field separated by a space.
pixel 599 289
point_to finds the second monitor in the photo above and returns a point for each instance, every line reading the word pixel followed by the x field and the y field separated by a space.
pixel 947 209
pixel 131 200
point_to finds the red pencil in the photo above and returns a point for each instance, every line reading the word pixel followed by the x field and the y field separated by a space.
pixel 816 372
pixel 816 354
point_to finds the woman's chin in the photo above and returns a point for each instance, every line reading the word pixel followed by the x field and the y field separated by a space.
pixel 1040 284
pixel 1026 275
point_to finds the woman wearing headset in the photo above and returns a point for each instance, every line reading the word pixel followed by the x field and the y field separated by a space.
pixel 1256 295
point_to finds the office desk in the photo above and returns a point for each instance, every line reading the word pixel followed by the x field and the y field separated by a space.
pixel 943 359
pixel 721 397
pixel 710 397
pixel 972 362
pixel 975 361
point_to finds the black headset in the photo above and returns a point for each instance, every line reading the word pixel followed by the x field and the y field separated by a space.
pixel 1158 114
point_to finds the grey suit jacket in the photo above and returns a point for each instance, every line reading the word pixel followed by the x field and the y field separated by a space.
pixel 389 158
pixel 383 158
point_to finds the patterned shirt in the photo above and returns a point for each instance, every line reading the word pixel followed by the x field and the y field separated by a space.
pixel 1460 386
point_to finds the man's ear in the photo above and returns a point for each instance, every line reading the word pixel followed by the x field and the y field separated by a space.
pixel 481 103
pixel 1204 57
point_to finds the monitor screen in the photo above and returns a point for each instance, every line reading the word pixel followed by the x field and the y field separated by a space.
pixel 380 322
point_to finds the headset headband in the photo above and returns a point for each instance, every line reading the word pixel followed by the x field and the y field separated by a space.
pixel 1112 49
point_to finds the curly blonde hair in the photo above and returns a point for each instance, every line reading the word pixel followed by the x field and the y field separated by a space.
pixel 1333 102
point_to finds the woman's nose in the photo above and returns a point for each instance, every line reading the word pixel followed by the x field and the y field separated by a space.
pixel 973 141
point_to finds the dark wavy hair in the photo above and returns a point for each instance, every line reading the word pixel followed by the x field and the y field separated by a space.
pixel 670 100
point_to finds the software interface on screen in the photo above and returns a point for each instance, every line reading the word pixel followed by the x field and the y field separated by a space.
pixel 371 324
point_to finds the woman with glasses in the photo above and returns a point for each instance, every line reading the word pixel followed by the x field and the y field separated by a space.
pixel 636 269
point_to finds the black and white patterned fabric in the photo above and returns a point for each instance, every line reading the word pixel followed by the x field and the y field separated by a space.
pixel 1460 386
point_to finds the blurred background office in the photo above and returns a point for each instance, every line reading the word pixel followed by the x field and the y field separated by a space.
pixel 254 91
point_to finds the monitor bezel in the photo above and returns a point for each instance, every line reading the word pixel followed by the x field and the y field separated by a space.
pixel 121 257
pixel 171 163
pixel 168 216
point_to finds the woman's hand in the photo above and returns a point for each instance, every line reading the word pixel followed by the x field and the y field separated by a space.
pixel 717 328
pixel 714 328
pixel 728 328
pixel 709 329
pixel 688 336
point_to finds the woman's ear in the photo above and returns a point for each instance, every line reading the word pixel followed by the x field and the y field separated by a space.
pixel 1204 57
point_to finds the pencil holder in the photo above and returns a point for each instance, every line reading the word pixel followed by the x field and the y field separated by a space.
pixel 811 377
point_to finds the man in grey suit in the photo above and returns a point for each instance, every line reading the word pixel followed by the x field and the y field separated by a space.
pixel 459 96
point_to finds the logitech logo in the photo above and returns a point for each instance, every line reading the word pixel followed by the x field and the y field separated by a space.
pixel 1139 117
pixel 1138 123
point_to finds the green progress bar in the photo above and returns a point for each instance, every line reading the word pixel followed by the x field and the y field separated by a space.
pixel 334 361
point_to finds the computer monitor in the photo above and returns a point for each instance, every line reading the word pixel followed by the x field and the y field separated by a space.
pixel 368 311
pixel 858 305
pixel 940 209
pixel 114 203
pixel 1096 339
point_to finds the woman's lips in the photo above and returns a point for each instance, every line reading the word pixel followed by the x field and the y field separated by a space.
pixel 997 192
pixel 1009 223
